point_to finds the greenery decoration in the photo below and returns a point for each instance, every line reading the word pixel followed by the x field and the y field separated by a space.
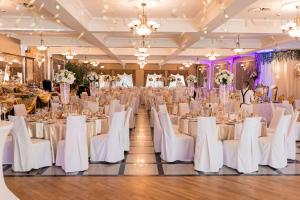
pixel 285 55
pixel 80 70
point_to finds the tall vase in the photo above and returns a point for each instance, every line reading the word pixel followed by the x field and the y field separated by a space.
pixel 65 93
pixel 191 88
pixel 93 89
pixel 223 94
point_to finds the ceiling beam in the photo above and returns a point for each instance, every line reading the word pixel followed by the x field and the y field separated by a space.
pixel 209 24
pixel 70 15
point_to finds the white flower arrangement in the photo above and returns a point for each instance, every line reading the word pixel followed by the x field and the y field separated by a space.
pixel 224 77
pixel 64 76
pixel 107 78
pixel 92 76
pixel 191 79
pixel 171 78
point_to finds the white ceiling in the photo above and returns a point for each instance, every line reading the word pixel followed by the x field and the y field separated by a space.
pixel 190 29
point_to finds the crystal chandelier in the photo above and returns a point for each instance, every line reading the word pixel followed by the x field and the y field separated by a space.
pixel 42 46
pixel 187 64
pixel 142 53
pixel 212 55
pixel 69 54
pixel 238 48
pixel 142 26
pixel 293 28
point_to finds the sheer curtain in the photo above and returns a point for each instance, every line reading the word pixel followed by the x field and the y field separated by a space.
pixel 281 74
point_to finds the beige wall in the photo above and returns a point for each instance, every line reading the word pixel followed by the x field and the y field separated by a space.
pixel 10 45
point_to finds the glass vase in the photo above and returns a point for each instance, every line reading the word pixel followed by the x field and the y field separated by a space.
pixel 93 89
pixel 65 93
pixel 223 94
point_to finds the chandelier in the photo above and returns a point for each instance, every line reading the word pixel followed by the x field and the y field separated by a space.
pixel 69 54
pixel 293 28
pixel 142 26
pixel 42 46
pixel 142 53
pixel 187 64
pixel 212 55
pixel 238 48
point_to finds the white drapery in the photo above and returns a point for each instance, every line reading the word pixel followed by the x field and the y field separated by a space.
pixel 281 74
pixel 103 83
pixel 153 82
pixel 179 81
pixel 125 80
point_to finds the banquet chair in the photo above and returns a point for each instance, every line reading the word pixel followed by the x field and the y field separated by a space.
pixel 7 158
pixel 92 106
pixel 183 108
pixel 208 150
pixel 277 113
pixel 163 108
pixel 72 152
pixel 195 106
pixel 125 130
pixel 28 153
pixel 174 145
pixel 272 148
pixel 109 147
pixel 119 107
pixel 20 110
pixel 243 155
pixel 157 131
pixel 291 137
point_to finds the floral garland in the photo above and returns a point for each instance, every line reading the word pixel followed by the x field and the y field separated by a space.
pixel 268 57
pixel 92 76
pixel 64 76
pixel 224 77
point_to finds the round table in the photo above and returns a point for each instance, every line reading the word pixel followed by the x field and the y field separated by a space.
pixel 5 128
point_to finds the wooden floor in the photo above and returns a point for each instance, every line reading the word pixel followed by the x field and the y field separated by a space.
pixel 156 187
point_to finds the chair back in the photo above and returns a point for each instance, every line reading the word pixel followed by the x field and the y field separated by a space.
pixel 248 150
pixel 183 108
pixel 76 144
pixel 21 144
pixel 276 115
pixel 158 131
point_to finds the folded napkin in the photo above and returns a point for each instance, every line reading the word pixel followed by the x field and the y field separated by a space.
pixel 39 130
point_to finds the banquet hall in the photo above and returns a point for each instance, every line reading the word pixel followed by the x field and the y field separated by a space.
pixel 149 99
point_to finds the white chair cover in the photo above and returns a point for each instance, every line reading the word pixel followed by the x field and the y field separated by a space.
pixel 276 115
pixel 243 155
pixel 28 153
pixel 247 108
pixel 109 147
pixel 297 103
pixel 291 137
pixel 20 110
pixel 272 148
pixel 157 130
pixel 72 153
pixel 175 146
pixel 208 150
pixel 126 131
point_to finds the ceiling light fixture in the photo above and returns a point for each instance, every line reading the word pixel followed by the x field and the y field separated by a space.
pixel 238 48
pixel 293 28
pixel 69 54
pixel 142 26
pixel 212 55
pixel 138 3
pixel 42 46
pixel 187 64
pixel 85 60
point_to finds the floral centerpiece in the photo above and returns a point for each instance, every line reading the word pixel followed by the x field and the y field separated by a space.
pixel 171 78
pixel 224 78
pixel 65 78
pixel 115 78
pixel 150 79
pixel 107 78
pixel 161 79
pixel 191 79
pixel 92 76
